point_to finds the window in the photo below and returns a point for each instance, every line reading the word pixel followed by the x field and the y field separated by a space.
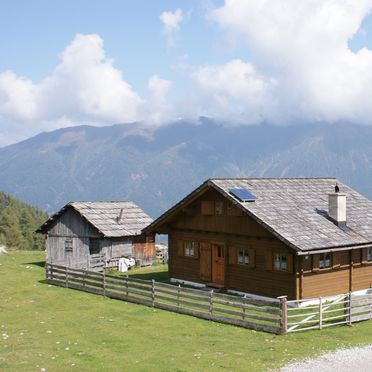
pixel 243 256
pixel 68 245
pixel 369 254
pixel 94 246
pixel 280 262
pixel 188 248
pixel 324 260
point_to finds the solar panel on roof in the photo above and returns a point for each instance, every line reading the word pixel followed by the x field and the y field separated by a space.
pixel 243 195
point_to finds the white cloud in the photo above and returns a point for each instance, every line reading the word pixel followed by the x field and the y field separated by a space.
pixel 171 23
pixel 84 88
pixel 303 46
pixel 157 108
pixel 234 88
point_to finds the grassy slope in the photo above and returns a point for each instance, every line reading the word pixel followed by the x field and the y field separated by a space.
pixel 58 329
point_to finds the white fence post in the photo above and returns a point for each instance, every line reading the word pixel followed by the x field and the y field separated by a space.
pixel 349 320
pixel 178 295
pixel 320 313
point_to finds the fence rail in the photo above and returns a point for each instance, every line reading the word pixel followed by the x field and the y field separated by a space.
pixel 257 314
pixel 277 316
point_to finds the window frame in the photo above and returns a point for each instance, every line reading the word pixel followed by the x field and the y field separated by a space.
pixel 69 245
pixel 282 262
pixel 242 259
pixel 369 255
pixel 325 263
pixel 190 248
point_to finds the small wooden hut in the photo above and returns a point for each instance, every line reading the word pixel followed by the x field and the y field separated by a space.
pixel 95 235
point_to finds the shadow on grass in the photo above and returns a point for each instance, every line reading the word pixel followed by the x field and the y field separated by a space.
pixel 37 263
pixel 161 276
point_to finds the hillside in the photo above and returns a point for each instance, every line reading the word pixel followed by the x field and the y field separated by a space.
pixel 18 222
pixel 156 167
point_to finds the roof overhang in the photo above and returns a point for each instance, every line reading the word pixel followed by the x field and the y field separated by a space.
pixel 334 249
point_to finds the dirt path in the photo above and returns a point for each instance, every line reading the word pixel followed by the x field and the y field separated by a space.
pixel 346 360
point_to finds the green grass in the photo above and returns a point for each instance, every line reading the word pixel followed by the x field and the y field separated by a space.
pixel 62 329
pixel 157 272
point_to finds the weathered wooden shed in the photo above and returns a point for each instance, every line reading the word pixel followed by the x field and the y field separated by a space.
pixel 95 235
pixel 300 237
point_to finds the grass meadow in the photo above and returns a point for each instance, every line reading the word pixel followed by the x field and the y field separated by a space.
pixel 50 328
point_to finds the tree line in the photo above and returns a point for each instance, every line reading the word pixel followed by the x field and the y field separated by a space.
pixel 18 222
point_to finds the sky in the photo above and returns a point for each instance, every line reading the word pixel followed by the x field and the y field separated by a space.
pixel 73 62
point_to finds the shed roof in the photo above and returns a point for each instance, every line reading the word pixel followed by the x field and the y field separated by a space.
pixel 104 215
pixel 295 210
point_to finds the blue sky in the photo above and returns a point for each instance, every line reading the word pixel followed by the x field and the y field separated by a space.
pixel 102 62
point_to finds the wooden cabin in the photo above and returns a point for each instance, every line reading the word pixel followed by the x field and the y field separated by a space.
pixel 271 237
pixel 95 235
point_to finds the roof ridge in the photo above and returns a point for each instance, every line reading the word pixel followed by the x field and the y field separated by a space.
pixel 272 178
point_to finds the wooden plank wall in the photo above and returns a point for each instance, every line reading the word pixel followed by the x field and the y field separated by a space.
pixel 144 248
pixel 72 224
pixel 237 277
pixel 342 277
pixel 78 258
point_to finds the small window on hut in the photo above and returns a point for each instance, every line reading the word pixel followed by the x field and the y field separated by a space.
pixel 94 246
pixel 68 245
pixel 324 260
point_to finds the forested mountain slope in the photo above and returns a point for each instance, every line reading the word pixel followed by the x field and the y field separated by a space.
pixel 18 222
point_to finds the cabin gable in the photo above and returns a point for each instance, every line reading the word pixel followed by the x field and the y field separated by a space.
pixel 71 223
pixel 212 229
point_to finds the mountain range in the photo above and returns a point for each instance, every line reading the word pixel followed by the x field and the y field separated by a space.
pixel 155 167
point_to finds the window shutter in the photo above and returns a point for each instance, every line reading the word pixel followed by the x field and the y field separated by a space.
pixel 196 251
pixel 336 260
pixel 364 255
pixel 289 263
pixel 252 258
pixel 356 256
pixel 269 260
pixel 232 255
pixel 316 262
pixel 180 250
pixel 207 208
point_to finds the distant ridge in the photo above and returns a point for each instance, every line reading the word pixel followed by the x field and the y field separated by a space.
pixel 156 167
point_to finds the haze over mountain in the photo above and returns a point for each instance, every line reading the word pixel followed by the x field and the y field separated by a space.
pixel 156 167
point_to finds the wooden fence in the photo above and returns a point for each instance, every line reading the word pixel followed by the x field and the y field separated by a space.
pixel 257 314
pixel 326 312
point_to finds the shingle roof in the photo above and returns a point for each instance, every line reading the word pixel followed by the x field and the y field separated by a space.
pixel 295 210
pixel 103 215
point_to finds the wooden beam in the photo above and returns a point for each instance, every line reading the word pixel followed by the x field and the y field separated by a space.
pixel 351 271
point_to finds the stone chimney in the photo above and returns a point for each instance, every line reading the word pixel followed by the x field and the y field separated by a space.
pixel 337 208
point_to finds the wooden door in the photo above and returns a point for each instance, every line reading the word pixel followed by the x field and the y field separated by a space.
pixel 218 264
pixel 205 262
